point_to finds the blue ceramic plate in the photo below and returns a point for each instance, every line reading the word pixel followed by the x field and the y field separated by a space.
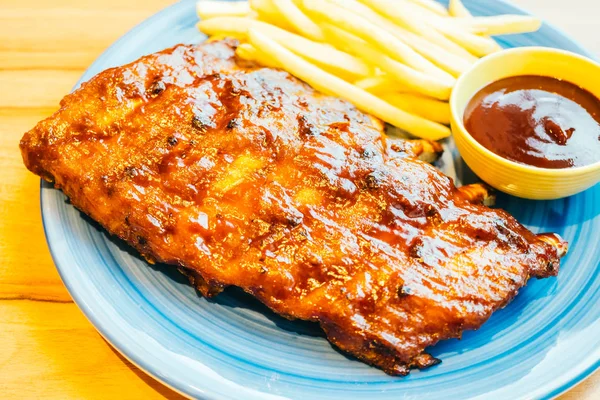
pixel 544 342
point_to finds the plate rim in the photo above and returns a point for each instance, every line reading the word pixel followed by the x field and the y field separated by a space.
pixel 551 389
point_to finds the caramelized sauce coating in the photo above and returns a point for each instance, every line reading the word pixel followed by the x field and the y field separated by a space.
pixel 246 176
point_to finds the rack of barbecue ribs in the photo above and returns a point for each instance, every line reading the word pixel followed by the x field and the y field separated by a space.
pixel 245 176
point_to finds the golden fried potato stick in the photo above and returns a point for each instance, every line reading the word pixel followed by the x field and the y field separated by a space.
pixel 247 52
pixel 500 24
pixel 426 107
pixel 457 9
pixel 213 8
pixel 432 6
pixel 296 18
pixel 378 84
pixel 268 13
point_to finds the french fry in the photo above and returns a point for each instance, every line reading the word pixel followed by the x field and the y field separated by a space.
pixel 247 52
pixel 236 27
pixel 426 107
pixel 213 8
pixel 267 12
pixel 379 37
pixel 450 62
pixel 264 7
pixel 378 84
pixel 296 18
pixel 407 77
pixel 342 64
pixel 477 45
pixel 457 9
pixel 453 64
pixel 500 24
pixel 252 15
pixel 396 11
pixel 432 6
pixel 328 83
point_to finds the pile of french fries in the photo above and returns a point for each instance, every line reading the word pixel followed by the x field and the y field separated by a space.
pixel 395 59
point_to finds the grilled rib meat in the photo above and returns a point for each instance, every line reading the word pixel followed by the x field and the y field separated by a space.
pixel 246 176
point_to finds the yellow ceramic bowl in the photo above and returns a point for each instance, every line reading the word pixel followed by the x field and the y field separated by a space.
pixel 505 175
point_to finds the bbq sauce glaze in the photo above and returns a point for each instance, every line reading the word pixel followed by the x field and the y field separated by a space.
pixel 540 121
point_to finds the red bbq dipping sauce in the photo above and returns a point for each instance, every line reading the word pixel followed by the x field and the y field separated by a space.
pixel 536 120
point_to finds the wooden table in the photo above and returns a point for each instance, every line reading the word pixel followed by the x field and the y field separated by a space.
pixel 47 347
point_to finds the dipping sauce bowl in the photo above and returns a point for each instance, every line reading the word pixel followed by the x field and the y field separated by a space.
pixel 520 179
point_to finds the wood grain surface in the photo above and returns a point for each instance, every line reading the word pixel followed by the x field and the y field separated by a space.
pixel 47 347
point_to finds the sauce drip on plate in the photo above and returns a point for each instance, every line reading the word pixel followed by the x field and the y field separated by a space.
pixel 536 120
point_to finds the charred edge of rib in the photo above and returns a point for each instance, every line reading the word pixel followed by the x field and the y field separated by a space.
pixel 404 291
pixel 233 123
pixel 157 88
pixel 198 124
pixel 425 360
pixel 305 128
pixel 374 180
pixel 368 152
pixel 130 171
